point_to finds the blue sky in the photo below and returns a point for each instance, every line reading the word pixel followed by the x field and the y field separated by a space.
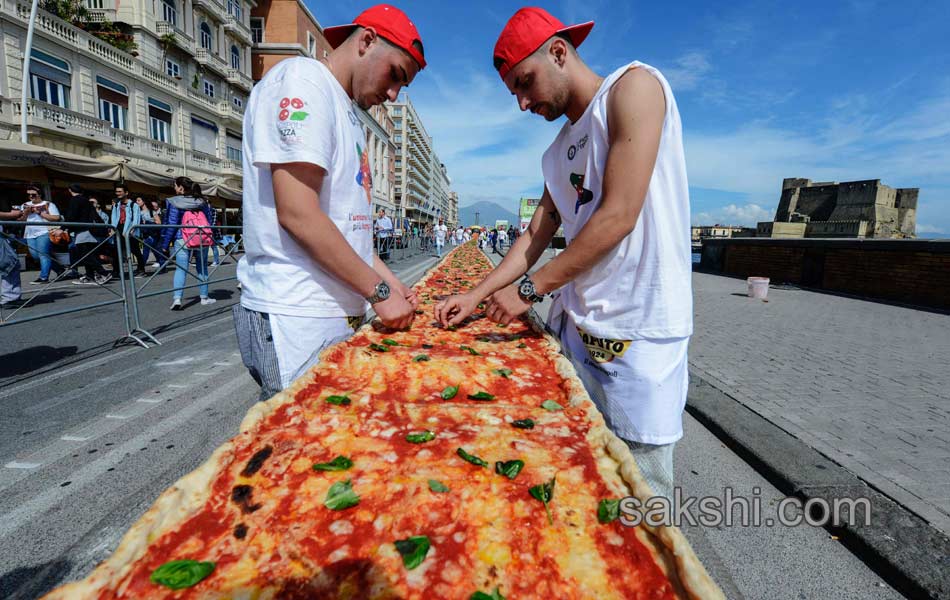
pixel 839 90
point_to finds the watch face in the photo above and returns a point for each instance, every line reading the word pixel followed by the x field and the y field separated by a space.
pixel 382 290
pixel 527 289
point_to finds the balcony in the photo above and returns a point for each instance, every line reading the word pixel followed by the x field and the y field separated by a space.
pixel 215 106
pixel 101 15
pixel 129 144
pixel 236 77
pixel 238 29
pixel 182 39
pixel 205 162
pixel 208 59
pixel 62 121
pixel 214 8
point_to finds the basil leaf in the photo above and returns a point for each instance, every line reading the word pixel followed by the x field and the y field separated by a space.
pixel 496 595
pixel 340 463
pixel 343 400
pixel 481 396
pixel 379 347
pixel 450 392
pixel 483 338
pixel 413 550
pixel 608 510
pixel 471 458
pixel 551 405
pixel 437 486
pixel 522 345
pixel 427 346
pixel 420 358
pixel 503 372
pixel 451 328
pixel 502 325
pixel 420 437
pixel 181 574
pixel 544 492
pixel 470 350
pixel 390 342
pixel 523 424
pixel 509 469
pixel 419 311
pixel 341 496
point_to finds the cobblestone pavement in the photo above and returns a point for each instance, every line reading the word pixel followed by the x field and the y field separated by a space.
pixel 867 384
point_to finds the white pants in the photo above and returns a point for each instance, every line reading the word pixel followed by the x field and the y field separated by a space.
pixel 298 341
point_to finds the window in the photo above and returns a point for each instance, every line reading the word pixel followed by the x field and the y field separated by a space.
pixel 169 12
pixel 235 58
pixel 159 120
pixel 206 38
pixel 397 110
pixel 94 4
pixel 208 88
pixel 233 142
pixel 50 79
pixel 397 138
pixel 311 45
pixel 204 136
pixel 237 101
pixel 234 9
pixel 257 30
pixel 172 68
pixel 113 101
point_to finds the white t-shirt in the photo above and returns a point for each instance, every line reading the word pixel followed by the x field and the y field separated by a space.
pixel 300 113
pixel 35 231
pixel 440 231
pixel 384 226
pixel 642 288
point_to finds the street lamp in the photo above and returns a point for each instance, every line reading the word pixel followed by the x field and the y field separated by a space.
pixel 26 79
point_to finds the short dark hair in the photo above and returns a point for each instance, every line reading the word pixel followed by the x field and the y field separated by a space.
pixel 563 35
pixel 417 44
pixel 76 188
pixel 120 186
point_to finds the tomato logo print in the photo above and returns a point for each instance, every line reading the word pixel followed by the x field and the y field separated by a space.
pixel 283 115
pixel 297 103
pixel 285 102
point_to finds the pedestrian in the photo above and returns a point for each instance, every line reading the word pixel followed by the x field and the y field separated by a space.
pixel 624 311
pixel 38 210
pixel 84 251
pixel 384 232
pixel 126 214
pixel 493 237
pixel 309 272
pixel 440 232
pixel 189 209
pixel 10 291
pixel 149 236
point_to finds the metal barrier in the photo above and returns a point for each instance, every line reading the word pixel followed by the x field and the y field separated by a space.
pixel 201 264
pixel 103 242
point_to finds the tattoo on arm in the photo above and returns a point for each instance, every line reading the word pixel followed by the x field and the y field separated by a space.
pixel 555 216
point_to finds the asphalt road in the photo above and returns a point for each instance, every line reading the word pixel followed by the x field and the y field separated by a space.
pixel 92 434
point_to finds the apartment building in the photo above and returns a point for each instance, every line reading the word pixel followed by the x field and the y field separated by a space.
pixel 281 29
pixel 155 86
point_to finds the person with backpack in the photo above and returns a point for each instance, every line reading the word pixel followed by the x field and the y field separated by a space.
pixel 189 209
pixel 83 252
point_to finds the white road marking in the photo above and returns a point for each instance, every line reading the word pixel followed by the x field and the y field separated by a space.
pixel 21 465
pixel 149 400
pixel 123 417
pixel 74 438
pixel 176 363
pixel 222 364
pixel 203 374
pixel 177 386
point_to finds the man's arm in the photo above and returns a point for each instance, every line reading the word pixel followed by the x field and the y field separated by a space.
pixel 635 108
pixel 298 212
pixel 522 255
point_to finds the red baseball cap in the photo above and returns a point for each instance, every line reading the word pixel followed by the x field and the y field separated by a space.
pixel 526 30
pixel 389 22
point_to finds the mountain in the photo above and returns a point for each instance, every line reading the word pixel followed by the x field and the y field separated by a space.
pixel 488 213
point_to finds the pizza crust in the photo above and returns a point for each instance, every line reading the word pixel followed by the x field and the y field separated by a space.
pixel 190 493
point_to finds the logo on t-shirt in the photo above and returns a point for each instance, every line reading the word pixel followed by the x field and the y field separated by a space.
pixel 291 120
pixel 583 195
pixel 571 152
pixel 363 176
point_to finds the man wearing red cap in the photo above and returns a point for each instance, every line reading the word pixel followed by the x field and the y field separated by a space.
pixel 615 179
pixel 309 272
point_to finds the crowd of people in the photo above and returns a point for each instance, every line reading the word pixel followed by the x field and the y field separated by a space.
pixel 92 229
pixel 433 237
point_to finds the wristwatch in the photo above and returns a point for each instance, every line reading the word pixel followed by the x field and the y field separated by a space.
pixel 380 293
pixel 527 292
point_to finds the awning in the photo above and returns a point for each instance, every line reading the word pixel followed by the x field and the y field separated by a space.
pixel 15 154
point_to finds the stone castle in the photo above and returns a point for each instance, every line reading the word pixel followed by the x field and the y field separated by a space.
pixel 855 209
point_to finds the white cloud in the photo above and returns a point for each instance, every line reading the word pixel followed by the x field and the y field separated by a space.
pixel 733 214
pixel 927 228
pixel 689 69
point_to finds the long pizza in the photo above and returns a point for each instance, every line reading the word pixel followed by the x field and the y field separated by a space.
pixel 462 463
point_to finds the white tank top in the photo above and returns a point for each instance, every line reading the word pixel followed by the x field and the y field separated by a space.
pixel 642 288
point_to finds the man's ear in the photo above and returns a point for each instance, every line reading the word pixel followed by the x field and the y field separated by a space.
pixel 367 38
pixel 558 50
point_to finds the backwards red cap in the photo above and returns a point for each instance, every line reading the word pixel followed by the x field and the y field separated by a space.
pixel 389 22
pixel 526 30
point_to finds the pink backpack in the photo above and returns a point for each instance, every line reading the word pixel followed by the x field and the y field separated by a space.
pixel 197 230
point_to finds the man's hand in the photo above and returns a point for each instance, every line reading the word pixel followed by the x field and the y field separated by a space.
pixel 455 309
pixel 506 305
pixel 395 312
